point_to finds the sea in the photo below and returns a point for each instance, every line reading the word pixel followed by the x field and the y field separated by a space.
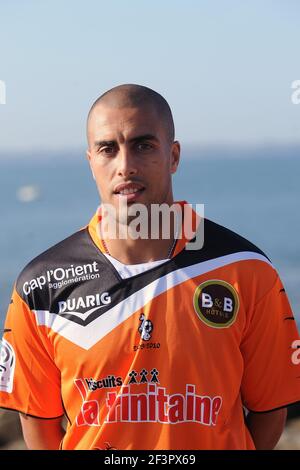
pixel 254 192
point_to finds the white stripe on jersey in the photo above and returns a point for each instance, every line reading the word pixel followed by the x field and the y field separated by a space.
pixel 87 336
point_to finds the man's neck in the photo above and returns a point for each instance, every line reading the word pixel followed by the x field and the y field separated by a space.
pixel 129 250
pixel 138 251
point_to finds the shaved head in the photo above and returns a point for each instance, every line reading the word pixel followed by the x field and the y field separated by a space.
pixel 130 135
pixel 136 96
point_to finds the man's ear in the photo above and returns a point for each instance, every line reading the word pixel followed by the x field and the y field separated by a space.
pixel 175 157
pixel 88 156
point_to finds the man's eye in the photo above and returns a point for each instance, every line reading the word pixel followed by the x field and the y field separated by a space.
pixel 107 150
pixel 144 146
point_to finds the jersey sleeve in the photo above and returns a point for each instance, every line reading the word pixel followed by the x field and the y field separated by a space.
pixel 271 353
pixel 29 378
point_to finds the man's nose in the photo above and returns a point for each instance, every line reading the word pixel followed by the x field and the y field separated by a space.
pixel 126 163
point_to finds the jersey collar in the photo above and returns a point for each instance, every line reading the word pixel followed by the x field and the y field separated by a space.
pixel 189 217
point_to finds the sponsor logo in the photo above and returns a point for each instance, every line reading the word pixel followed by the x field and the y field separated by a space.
pixel 216 302
pixel 154 404
pixel 145 328
pixel 143 376
pixel 111 381
pixel 72 306
pixel 146 346
pixel 7 366
pixel 58 277
pixel 296 354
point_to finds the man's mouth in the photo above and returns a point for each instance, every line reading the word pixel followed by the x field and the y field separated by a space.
pixel 126 189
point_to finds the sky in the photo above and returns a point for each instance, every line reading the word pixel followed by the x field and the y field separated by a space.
pixel 225 67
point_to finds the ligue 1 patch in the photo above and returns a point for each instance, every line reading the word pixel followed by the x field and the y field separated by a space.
pixel 7 366
pixel 217 303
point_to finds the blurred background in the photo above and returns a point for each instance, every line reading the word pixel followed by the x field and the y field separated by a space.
pixel 227 69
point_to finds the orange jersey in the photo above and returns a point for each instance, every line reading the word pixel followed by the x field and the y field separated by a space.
pixel 164 359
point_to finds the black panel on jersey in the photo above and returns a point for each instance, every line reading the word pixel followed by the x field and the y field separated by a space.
pixel 76 251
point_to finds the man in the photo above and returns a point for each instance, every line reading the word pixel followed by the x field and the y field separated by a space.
pixel 143 342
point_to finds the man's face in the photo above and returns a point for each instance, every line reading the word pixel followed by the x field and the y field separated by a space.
pixel 129 150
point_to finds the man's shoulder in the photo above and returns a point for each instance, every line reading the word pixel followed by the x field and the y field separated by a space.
pixel 53 262
pixel 220 246
pixel 225 241
pixel 235 255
